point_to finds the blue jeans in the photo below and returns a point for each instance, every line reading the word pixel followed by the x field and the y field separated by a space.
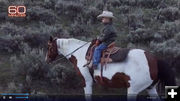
pixel 97 53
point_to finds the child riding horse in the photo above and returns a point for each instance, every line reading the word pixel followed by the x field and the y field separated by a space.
pixel 107 36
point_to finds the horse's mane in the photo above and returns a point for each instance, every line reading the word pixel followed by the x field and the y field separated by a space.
pixel 76 40
pixel 66 41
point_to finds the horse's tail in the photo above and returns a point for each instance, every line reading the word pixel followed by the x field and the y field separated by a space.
pixel 166 74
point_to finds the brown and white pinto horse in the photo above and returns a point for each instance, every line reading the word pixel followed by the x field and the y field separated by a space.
pixel 140 71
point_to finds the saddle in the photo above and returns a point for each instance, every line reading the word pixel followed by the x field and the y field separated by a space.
pixel 111 54
pixel 109 51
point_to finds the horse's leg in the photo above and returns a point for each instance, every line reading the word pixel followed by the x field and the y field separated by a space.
pixel 88 90
pixel 153 93
pixel 89 83
pixel 131 94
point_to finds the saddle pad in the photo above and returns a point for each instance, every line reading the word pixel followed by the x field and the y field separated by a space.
pixel 118 56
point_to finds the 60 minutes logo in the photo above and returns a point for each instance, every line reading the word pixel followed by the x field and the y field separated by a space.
pixel 14 11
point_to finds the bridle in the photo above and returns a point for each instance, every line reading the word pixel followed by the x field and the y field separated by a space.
pixel 69 53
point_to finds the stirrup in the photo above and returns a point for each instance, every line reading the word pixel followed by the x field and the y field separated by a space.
pixel 85 65
pixel 90 65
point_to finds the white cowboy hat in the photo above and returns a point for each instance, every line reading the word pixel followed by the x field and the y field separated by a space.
pixel 106 14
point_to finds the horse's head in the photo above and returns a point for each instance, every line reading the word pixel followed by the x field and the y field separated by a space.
pixel 52 52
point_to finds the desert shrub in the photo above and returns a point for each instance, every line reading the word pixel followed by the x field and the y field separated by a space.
pixel 20 2
pixel 17 87
pixel 3 9
pixel 169 14
pixel 114 3
pixel 30 62
pixel 91 15
pixel 10 43
pixel 43 28
pixel 12 87
pixel 171 3
pixel 8 46
pixel 166 48
pixel 149 17
pixel 36 40
pixel 3 5
pixel 100 4
pixel 14 35
pixel 63 76
pixel 177 37
pixel 49 4
pixel 59 7
pixel 30 66
pixel 69 9
pixel 35 36
pixel 170 29
pixel 154 32
pixel 3 16
pixel 38 13
pixel 135 21
pixel 178 4
pixel 140 35
pixel 11 29
pixel 80 29
pixel 141 3
pixel 125 2
pixel 123 9
pixel 149 3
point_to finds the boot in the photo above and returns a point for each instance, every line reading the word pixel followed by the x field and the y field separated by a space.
pixel 91 70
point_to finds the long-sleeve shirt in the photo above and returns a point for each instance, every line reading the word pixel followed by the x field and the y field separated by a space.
pixel 108 34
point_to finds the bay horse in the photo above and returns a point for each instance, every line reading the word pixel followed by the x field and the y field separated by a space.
pixel 139 71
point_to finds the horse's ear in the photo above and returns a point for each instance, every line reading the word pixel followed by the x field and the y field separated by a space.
pixel 50 38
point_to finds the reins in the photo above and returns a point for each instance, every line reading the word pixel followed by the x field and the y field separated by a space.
pixel 70 53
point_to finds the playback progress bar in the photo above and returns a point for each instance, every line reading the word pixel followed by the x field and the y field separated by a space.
pixel 14 96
